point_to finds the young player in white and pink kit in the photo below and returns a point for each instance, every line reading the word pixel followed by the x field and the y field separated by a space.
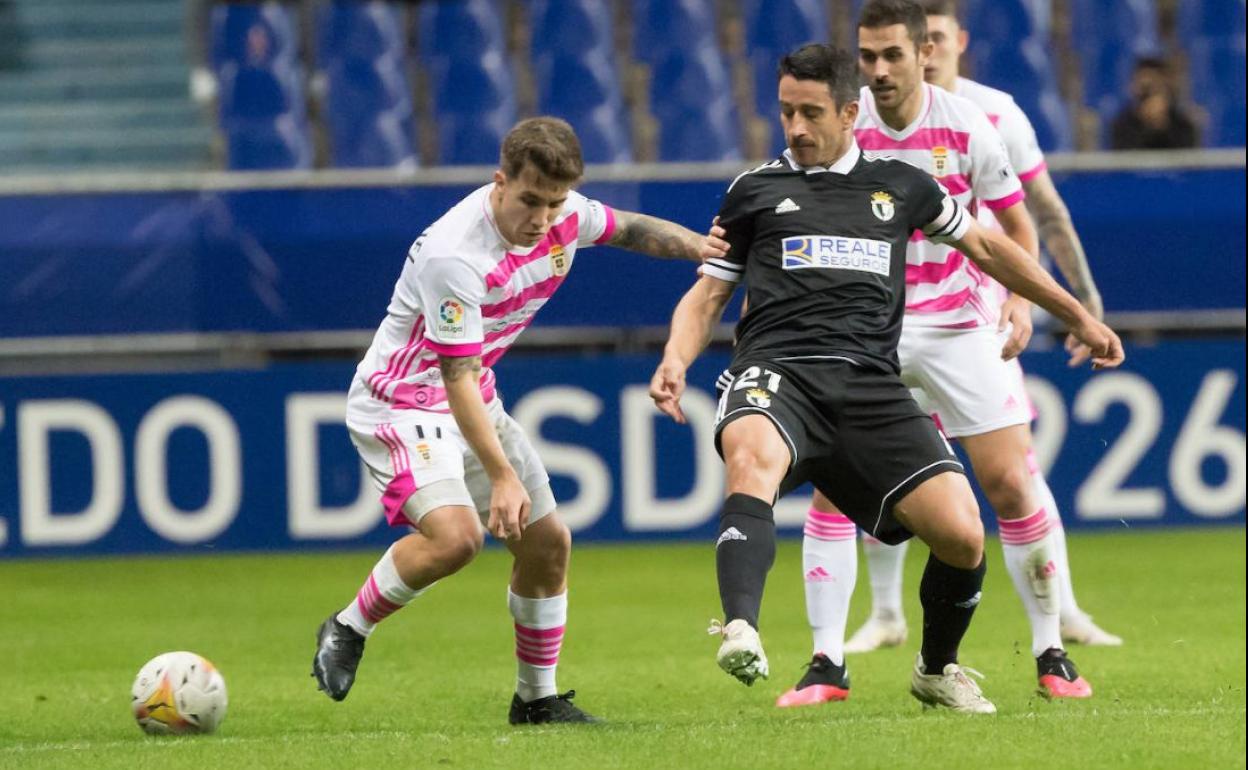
pixel 957 349
pixel 430 426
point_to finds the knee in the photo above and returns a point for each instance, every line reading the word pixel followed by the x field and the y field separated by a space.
pixel 1009 490
pixel 965 549
pixel 555 547
pixel 457 547
pixel 746 462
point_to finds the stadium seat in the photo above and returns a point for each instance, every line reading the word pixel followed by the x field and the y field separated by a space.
pixel 1216 68
pixel 1051 119
pixel 475 104
pixel 708 133
pixel 570 26
pixel 660 25
pixel 584 89
pixel 685 78
pixel 351 29
pixel 265 145
pixel 254 93
pixel 460 29
pixel 368 114
pixel 1211 18
pixel 259 33
pixel 1002 22
pixel 1018 67
pixel 779 26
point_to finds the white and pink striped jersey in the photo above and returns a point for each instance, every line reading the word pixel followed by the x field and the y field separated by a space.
pixel 953 140
pixel 465 291
pixel 1012 124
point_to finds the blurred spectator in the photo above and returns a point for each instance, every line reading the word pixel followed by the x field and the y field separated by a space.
pixel 1153 120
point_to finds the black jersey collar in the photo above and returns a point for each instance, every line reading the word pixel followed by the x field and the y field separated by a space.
pixel 843 165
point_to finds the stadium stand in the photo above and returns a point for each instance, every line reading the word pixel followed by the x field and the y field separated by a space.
pixel 369 116
pixel 691 95
pixel 263 106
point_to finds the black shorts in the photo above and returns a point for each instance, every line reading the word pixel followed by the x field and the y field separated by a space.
pixel 856 433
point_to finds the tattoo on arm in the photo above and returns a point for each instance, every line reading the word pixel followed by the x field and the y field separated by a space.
pixel 654 236
pixel 1057 231
pixel 454 367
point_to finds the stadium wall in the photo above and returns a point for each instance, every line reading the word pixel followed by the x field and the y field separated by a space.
pixel 241 451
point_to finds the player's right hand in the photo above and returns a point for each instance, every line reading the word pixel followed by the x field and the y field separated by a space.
pixel 666 387
pixel 1100 342
pixel 509 508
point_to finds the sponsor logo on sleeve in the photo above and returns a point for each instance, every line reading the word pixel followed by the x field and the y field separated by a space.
pixel 451 318
pixel 835 252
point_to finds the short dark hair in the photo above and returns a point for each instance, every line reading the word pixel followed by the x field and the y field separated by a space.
pixel 886 13
pixel 940 8
pixel 548 144
pixel 836 67
pixel 1152 63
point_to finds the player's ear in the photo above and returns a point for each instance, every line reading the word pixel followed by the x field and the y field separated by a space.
pixel 964 38
pixel 925 52
pixel 849 114
pixel 500 179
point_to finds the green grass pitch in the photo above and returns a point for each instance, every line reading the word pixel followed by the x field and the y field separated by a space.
pixel 436 680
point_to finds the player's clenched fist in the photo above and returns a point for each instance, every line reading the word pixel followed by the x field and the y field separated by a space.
pixel 666 387
pixel 1098 341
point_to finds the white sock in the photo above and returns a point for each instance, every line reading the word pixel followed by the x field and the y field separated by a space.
pixel 539 637
pixel 884 567
pixel 1029 560
pixel 830 567
pixel 1070 607
pixel 383 594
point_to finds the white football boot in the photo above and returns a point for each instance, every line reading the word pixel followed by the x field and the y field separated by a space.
pixel 951 688
pixel 879 631
pixel 1079 629
pixel 741 653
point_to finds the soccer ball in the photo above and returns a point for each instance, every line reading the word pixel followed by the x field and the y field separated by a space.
pixel 178 693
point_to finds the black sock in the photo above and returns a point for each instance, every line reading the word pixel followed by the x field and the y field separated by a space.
pixel 744 552
pixel 949 596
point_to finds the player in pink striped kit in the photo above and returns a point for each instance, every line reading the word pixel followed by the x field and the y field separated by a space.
pixel 957 352
pixel 426 418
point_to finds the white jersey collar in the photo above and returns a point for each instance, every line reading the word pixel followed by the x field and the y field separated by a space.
pixel 843 165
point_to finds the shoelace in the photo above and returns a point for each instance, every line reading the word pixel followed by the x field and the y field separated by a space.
pixel 961 676
pixel 716 627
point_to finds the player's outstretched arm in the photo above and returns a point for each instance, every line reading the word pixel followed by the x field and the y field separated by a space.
pixel 695 317
pixel 1016 311
pixel 509 502
pixel 1006 261
pixel 661 238
pixel 1062 242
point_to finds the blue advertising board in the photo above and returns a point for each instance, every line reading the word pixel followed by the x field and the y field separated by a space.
pixel 265 260
pixel 259 459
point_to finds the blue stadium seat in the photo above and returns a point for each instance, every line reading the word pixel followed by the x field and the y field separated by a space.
pixel 660 25
pixel 570 26
pixel 369 114
pixel 584 89
pixel 268 145
pixel 779 26
pixel 1050 117
pixel 1211 18
pixel 1216 67
pixel 358 29
pixel 686 78
pixel 475 102
pixel 460 28
pixel 1018 67
pixel 1001 22
pixel 707 133
pixel 254 93
pixel 258 33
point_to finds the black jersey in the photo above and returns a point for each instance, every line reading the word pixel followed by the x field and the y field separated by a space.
pixel 822 252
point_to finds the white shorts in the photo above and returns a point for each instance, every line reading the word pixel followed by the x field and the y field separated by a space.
pixel 420 461
pixel 958 377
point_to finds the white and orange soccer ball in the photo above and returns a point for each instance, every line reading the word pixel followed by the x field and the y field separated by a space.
pixel 178 693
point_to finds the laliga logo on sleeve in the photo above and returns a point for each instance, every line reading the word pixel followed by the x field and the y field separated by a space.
pixel 451 318
pixel 882 206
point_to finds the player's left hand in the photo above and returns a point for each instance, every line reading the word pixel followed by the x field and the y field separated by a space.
pixel 1015 313
pixel 666 387
pixel 1101 344
pixel 713 244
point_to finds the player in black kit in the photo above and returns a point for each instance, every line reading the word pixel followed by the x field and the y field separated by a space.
pixel 819 238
